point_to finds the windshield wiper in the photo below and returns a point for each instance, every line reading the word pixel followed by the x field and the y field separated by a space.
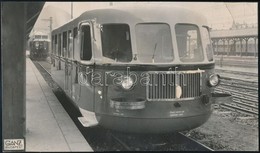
pixel 154 51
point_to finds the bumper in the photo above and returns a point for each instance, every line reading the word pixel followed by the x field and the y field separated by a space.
pixel 153 125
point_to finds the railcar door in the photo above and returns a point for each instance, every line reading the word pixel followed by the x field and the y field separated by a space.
pixel 82 88
pixel 84 73
pixel 68 77
pixel 69 65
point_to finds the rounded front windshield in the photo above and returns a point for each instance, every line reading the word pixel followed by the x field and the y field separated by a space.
pixel 154 43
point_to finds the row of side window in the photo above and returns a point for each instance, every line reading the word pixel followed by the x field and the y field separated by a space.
pixel 64 44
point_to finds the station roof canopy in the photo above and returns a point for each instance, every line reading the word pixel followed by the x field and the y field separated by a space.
pixel 250 32
pixel 33 11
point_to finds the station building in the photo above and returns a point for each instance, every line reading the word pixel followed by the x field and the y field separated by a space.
pixel 235 41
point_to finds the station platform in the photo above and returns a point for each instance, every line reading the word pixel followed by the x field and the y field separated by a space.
pixel 48 126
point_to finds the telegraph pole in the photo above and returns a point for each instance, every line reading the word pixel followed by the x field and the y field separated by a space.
pixel 234 23
pixel 50 48
pixel 71 11
pixel 50 26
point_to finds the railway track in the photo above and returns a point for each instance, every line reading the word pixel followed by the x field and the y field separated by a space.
pixel 236 72
pixel 246 86
pixel 102 139
pixel 159 142
pixel 245 95
pixel 44 65
pixel 237 63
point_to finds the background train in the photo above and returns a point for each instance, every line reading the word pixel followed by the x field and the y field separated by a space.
pixel 141 70
pixel 39 46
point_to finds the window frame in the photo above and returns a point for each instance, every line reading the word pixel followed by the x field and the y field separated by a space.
pixel 130 39
pixel 64 44
pixel 210 43
pixel 81 37
pixel 70 43
pixel 74 40
pixel 163 53
pixel 59 42
pixel 198 36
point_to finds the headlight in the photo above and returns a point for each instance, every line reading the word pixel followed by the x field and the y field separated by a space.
pixel 214 80
pixel 127 82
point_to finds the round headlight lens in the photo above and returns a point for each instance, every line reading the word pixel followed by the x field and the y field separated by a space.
pixel 214 80
pixel 127 82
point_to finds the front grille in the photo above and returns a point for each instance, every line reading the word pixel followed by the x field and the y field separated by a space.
pixel 162 85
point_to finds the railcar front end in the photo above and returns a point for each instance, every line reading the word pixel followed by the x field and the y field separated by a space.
pixel 39 49
pixel 162 90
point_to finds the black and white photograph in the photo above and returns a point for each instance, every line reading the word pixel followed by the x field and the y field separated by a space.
pixel 129 76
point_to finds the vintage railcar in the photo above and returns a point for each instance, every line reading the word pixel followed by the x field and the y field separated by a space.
pixel 39 46
pixel 141 69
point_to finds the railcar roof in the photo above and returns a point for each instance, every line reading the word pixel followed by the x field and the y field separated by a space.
pixel 133 15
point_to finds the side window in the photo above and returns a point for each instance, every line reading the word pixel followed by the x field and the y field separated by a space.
pixel 44 37
pixel 53 50
pixel 64 44
pixel 70 39
pixel 59 51
pixel 59 45
pixel 75 35
pixel 55 44
pixel 86 48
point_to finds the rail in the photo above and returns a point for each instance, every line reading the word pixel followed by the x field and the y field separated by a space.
pixel 43 67
pixel 236 72
pixel 158 142
pixel 245 95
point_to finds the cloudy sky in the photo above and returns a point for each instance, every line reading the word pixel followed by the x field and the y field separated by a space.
pixel 217 13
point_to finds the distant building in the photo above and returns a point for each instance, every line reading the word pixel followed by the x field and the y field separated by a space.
pixel 236 41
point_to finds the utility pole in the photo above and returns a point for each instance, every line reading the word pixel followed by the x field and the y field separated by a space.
pixel 71 11
pixel 234 23
pixel 50 26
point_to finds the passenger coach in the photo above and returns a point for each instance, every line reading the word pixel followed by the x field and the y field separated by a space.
pixel 143 70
